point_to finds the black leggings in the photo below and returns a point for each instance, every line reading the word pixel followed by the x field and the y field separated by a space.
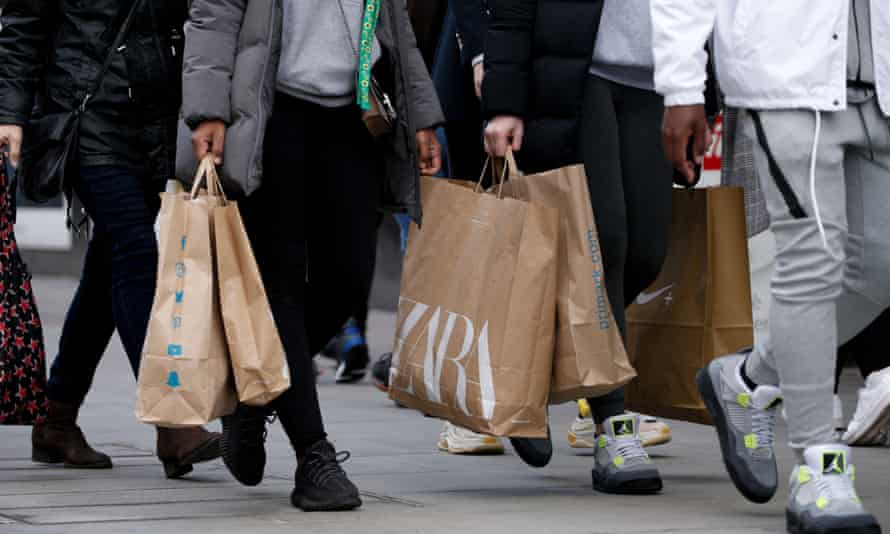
pixel 313 227
pixel 630 187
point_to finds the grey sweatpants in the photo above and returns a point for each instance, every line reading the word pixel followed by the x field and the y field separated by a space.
pixel 813 284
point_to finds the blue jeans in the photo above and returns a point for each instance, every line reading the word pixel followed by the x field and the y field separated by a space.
pixel 118 281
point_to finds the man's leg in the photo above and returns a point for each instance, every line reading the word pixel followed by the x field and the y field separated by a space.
pixel 868 176
pixel 809 276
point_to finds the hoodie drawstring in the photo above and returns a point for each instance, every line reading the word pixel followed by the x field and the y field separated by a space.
pixel 813 197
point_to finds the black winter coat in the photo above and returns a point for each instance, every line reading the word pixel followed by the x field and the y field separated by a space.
pixel 51 51
pixel 537 55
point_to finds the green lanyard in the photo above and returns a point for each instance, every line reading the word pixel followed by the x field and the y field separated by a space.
pixel 365 51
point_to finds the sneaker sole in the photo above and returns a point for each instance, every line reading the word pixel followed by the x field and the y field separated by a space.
pixel 482 449
pixel 308 505
pixel 350 378
pixel 709 396
pixel 872 430
pixel 577 442
pixel 867 525
pixel 656 439
pixel 643 486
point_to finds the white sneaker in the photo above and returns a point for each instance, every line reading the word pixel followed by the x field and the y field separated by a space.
pixel 823 498
pixel 652 432
pixel 872 418
pixel 458 440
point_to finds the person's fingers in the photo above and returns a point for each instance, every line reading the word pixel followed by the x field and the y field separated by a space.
pixel 218 144
pixel 700 141
pixel 500 145
pixel 14 143
pixel 517 136
pixel 200 143
pixel 676 139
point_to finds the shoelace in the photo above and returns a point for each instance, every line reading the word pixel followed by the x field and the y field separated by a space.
pixel 631 450
pixel 323 465
pixel 763 423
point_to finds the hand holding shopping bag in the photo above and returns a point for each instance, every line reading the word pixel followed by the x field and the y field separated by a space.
pixel 474 341
pixel 185 377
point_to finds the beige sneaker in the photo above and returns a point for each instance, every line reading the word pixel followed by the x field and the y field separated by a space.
pixel 581 434
pixel 457 440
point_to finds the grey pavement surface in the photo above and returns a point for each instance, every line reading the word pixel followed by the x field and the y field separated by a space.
pixel 408 485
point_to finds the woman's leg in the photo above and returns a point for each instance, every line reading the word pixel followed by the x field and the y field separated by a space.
pixel 647 176
pixel 276 221
pixel 123 211
pixel 88 327
pixel 600 151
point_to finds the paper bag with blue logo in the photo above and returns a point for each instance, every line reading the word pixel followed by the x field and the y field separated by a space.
pixel 258 359
pixel 589 359
pixel 474 334
pixel 699 308
pixel 185 378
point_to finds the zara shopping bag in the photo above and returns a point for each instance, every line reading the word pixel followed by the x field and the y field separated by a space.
pixel 185 377
pixel 589 359
pixel 474 335
pixel 698 309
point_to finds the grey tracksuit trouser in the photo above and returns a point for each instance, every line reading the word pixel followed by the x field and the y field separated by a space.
pixel 818 279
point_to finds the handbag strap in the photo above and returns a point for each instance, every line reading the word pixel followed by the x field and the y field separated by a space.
pixel 115 45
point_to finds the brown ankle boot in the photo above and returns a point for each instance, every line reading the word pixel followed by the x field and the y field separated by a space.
pixel 180 448
pixel 60 441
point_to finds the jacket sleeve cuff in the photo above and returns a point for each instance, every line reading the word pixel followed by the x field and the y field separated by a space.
pixel 684 98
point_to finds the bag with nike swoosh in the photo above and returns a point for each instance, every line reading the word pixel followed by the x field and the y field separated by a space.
pixel 699 308
pixel 589 358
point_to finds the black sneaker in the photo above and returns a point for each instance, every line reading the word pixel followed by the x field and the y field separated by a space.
pixel 320 484
pixel 354 357
pixel 536 452
pixel 380 372
pixel 243 443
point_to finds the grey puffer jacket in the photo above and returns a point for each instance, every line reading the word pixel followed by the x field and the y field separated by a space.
pixel 229 74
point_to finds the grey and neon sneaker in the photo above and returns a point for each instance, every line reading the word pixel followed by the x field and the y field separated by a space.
pixel 745 422
pixel 823 499
pixel 621 465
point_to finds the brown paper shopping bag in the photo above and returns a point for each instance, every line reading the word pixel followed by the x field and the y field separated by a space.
pixel 589 358
pixel 474 335
pixel 258 360
pixel 699 308
pixel 185 378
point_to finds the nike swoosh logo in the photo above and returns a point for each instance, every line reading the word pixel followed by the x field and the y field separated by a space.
pixel 646 298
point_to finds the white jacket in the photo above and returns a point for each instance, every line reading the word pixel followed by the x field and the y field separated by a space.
pixel 770 54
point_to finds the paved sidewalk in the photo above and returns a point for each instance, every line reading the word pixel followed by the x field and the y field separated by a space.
pixel 408 486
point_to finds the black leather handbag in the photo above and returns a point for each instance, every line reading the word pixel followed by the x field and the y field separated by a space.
pixel 49 153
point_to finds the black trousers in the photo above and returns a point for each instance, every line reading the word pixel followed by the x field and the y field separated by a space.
pixel 630 187
pixel 117 284
pixel 313 228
